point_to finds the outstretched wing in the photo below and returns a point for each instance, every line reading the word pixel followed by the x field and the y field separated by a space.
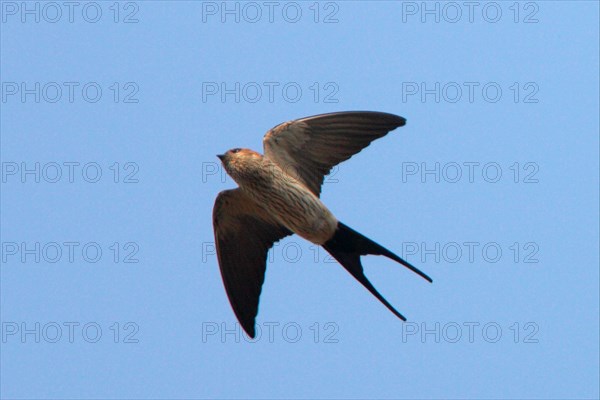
pixel 244 233
pixel 311 146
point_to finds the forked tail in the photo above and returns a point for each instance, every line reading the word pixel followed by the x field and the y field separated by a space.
pixel 347 246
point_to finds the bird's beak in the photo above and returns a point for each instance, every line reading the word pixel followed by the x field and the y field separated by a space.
pixel 221 156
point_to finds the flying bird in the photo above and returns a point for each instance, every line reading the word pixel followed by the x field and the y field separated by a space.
pixel 278 195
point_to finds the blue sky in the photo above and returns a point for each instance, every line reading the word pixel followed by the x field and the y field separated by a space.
pixel 112 114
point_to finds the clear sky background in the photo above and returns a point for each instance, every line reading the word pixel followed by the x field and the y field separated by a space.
pixel 110 287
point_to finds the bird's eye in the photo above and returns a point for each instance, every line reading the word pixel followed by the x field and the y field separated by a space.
pixel 235 150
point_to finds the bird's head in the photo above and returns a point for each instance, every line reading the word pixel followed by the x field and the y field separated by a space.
pixel 238 162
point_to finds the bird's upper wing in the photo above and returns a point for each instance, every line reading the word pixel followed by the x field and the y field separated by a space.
pixel 309 147
pixel 244 233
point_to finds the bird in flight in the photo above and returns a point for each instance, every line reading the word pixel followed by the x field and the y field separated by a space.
pixel 278 195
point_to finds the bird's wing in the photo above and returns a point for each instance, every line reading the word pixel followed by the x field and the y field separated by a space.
pixel 309 147
pixel 244 233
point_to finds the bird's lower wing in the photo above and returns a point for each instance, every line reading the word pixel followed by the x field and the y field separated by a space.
pixel 244 233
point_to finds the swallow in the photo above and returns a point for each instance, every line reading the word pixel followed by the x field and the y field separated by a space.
pixel 278 195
